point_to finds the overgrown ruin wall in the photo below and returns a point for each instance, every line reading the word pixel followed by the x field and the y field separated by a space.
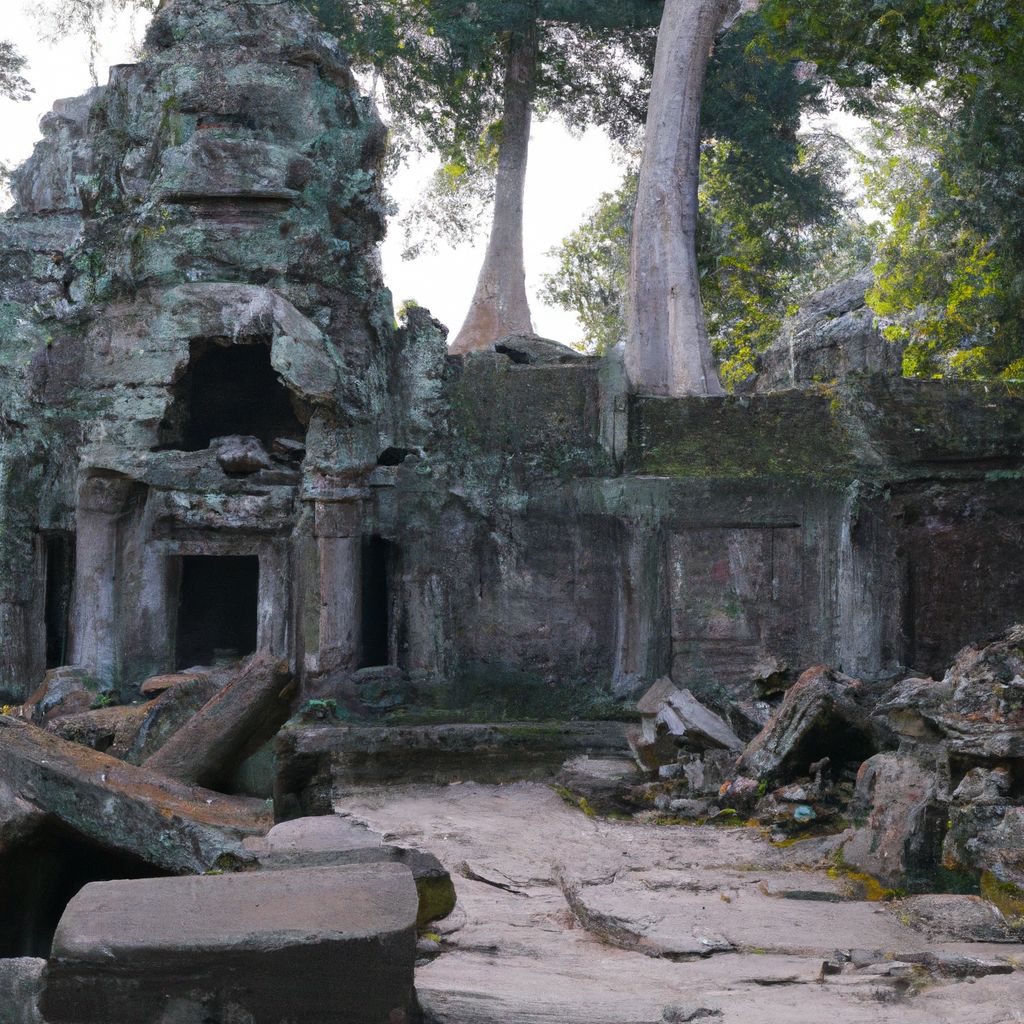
pixel 512 532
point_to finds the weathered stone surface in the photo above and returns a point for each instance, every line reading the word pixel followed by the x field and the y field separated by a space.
pixel 960 918
pixel 242 455
pixel 604 785
pixel 68 690
pixel 19 819
pixel 331 840
pixel 21 983
pixel 318 944
pixel 160 821
pixel 906 815
pixel 110 730
pixel 984 715
pixel 156 685
pixel 315 761
pixel 532 350
pixel 833 334
pixel 239 717
pixel 819 717
pixel 510 952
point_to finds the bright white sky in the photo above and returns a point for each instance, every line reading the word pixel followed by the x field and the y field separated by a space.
pixel 566 175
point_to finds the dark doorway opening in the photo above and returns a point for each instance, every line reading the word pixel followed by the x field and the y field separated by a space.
pixel 60 581
pixel 378 557
pixel 230 389
pixel 41 877
pixel 217 609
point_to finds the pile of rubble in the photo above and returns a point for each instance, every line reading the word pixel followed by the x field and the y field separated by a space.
pixel 91 792
pixel 921 781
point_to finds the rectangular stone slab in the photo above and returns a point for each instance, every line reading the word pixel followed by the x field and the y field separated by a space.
pixel 333 944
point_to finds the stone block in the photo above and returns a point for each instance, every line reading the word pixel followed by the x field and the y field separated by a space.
pixel 332 840
pixel 316 945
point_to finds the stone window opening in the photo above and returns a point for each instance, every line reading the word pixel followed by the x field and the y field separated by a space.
pixel 59 550
pixel 218 603
pixel 377 565
pixel 228 390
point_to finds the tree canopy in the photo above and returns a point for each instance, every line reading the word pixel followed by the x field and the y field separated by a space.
pixel 13 84
pixel 943 81
pixel 772 210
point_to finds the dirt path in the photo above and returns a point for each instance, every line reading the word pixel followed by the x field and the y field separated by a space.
pixel 564 919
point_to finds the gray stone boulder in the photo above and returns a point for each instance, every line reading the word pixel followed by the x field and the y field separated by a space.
pixel 322 944
pixel 905 804
pixel 240 455
pixel 601 785
pixel 330 840
pixel 833 334
pixel 20 987
pixel 63 691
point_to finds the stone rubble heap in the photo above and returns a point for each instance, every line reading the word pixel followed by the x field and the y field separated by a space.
pixel 927 776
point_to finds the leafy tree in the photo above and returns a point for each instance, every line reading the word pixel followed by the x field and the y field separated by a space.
pixel 13 84
pixel 944 83
pixel 950 273
pixel 771 211
pixel 469 78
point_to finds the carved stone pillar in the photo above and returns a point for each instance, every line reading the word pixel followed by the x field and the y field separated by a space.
pixel 339 541
pixel 94 643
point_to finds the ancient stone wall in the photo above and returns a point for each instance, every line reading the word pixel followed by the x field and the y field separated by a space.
pixel 200 361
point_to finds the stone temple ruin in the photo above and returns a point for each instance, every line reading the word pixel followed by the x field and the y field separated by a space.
pixel 217 442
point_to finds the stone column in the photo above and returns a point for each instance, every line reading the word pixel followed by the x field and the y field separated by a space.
pixel 339 542
pixel 644 646
pixel 94 644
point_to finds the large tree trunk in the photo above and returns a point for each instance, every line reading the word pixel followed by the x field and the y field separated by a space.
pixel 667 348
pixel 500 306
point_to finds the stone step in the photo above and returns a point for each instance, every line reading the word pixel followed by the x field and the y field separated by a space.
pixel 316 762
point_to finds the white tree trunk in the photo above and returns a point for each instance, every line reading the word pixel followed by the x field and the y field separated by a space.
pixel 500 305
pixel 667 347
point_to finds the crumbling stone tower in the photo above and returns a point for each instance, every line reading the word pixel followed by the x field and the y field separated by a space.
pixel 192 255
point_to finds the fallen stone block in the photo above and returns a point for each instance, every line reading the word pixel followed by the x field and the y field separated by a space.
pixel 156 685
pixel 605 785
pixel 331 840
pixel 21 983
pixel 109 730
pixel 322 945
pixel 168 713
pixel 241 455
pixel 238 720
pixel 671 718
pixel 819 717
pixel 163 822
pixel 63 691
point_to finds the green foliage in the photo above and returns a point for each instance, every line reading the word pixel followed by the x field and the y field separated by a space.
pixel 443 64
pixel 13 84
pixel 771 212
pixel 62 18
pixel 592 278
pixel 944 82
